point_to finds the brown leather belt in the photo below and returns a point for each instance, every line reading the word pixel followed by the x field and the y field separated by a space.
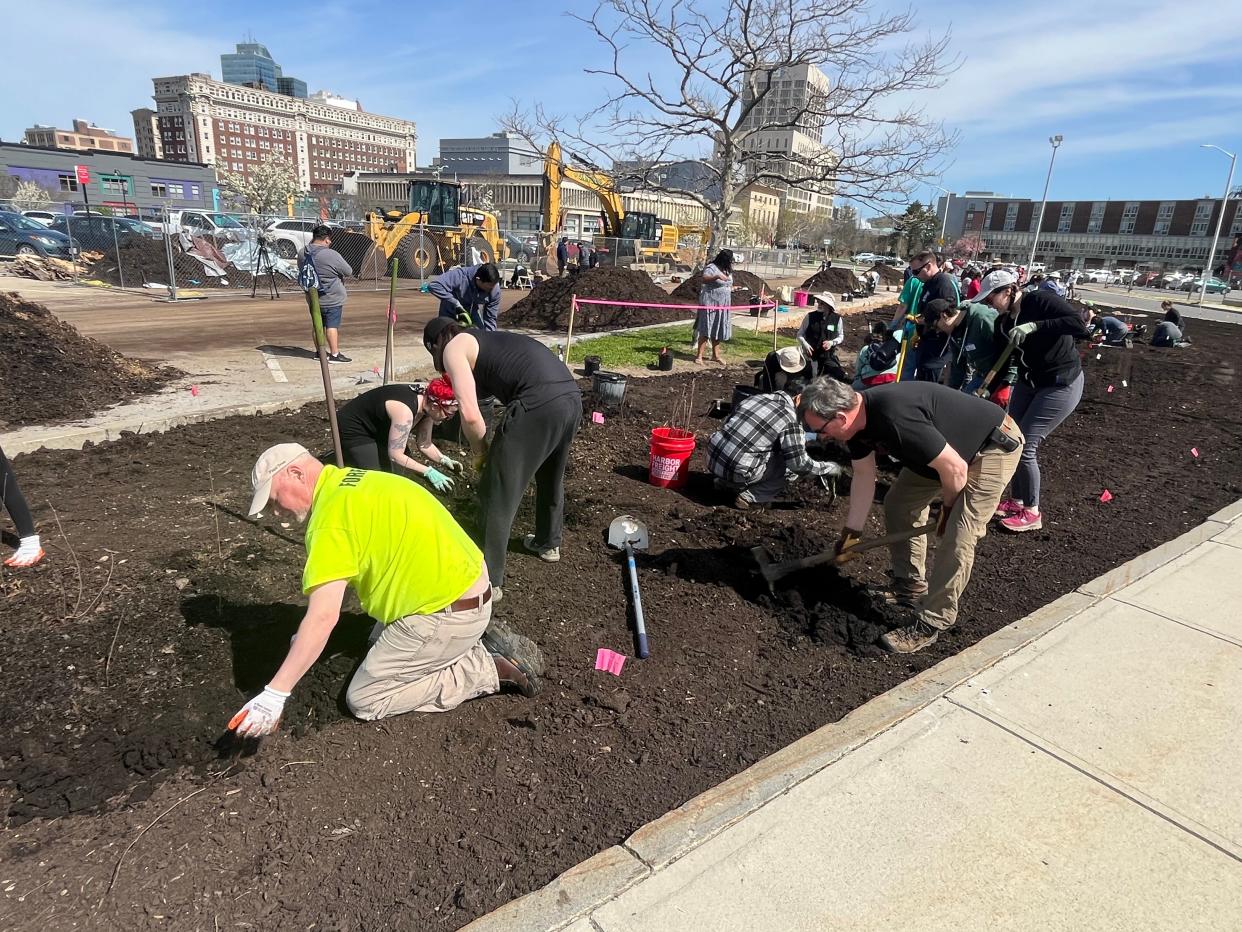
pixel 469 604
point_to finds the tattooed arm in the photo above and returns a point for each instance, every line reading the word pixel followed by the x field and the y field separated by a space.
pixel 401 423
pixel 423 440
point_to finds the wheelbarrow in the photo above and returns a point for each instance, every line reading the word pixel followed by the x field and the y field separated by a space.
pixel 627 533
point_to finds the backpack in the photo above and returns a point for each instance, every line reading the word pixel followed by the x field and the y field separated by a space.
pixel 308 275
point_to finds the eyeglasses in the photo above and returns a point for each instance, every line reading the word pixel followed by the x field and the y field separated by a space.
pixel 920 268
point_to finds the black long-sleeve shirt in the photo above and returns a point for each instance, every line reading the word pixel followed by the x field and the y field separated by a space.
pixel 1048 356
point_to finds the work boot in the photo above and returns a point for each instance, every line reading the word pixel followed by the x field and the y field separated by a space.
pixel 911 638
pixel 513 676
pixel 519 652
pixel 546 554
pixel 902 593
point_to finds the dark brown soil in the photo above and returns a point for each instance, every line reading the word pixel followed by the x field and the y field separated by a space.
pixel 836 279
pixel 145 261
pixel 547 305
pixel 49 372
pixel 751 288
pixel 158 613
pixel 888 274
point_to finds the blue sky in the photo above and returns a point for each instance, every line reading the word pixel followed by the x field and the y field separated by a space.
pixel 1134 87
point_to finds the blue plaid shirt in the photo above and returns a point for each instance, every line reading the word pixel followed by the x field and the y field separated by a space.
pixel 739 452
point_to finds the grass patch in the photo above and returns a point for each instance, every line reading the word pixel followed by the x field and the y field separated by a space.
pixel 642 348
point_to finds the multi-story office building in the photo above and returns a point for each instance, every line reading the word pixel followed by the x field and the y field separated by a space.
pixel 497 154
pixel 1088 234
pixel 252 65
pixel 236 128
pixel 83 136
pixel 792 92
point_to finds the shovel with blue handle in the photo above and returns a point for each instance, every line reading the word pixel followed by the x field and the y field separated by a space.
pixel 629 534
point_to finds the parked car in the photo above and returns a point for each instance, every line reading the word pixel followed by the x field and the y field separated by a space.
pixel 1214 286
pixel 101 233
pixel 21 236
pixel 287 238
pixel 1148 280
pixel 865 258
pixel 520 249
pixel 44 217
pixel 222 227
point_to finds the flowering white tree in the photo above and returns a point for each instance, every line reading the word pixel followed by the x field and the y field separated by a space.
pixel 265 188
pixel 28 195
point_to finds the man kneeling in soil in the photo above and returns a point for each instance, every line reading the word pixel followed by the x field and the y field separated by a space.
pixel 413 568
pixel 961 447
pixel 761 442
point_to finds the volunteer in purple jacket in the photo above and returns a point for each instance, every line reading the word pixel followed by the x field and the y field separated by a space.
pixel 1043 328
pixel 469 295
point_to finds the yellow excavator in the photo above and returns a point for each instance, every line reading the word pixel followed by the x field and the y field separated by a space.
pixel 655 240
pixel 434 231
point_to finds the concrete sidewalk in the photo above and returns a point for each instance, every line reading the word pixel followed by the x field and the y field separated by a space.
pixel 1079 769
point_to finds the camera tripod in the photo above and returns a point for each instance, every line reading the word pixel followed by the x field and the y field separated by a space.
pixel 263 266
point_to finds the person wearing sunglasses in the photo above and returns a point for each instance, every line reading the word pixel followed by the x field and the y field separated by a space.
pixel 376 428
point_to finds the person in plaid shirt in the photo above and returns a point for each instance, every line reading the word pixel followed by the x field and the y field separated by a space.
pixel 761 441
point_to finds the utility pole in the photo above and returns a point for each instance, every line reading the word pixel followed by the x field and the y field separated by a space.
pixel 1056 143
pixel 1224 201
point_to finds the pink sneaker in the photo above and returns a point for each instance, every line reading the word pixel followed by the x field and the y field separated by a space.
pixel 1025 520
pixel 1008 507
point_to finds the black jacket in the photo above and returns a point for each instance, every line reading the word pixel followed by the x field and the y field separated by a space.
pixel 1047 357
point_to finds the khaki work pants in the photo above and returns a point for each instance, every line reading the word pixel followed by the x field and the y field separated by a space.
pixel 425 663
pixel 907 506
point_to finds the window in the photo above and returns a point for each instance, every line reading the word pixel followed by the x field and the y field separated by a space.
pixel 193 190
pixel 1097 217
pixel 158 189
pixel 1128 216
pixel 1011 217
pixel 176 189
pixel 1203 213
pixel 1067 217
pixel 114 184
pixel 68 183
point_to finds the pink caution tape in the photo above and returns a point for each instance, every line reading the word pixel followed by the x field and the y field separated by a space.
pixel 609 661
pixel 1106 496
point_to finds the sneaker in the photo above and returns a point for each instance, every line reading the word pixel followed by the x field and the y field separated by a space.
pixel 546 554
pixel 1025 520
pixel 909 639
pixel 744 501
pixel 339 357
pixel 1008 507
pixel 497 593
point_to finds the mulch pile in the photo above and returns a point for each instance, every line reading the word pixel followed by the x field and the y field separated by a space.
pixel 888 274
pixel 752 285
pixel 836 279
pixel 547 305
pixel 49 372
pixel 145 261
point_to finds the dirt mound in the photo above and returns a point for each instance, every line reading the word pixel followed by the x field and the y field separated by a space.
pixel 547 305
pixel 51 373
pixel 144 261
pixel 888 274
pixel 752 286
pixel 836 279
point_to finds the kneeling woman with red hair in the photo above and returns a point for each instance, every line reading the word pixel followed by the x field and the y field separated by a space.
pixel 376 428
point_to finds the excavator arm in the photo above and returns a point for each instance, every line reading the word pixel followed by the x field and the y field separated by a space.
pixel 598 183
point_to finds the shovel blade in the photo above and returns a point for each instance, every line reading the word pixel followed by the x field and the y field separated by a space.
pixel 627 529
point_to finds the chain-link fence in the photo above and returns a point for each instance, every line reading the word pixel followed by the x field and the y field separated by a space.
pixel 175 252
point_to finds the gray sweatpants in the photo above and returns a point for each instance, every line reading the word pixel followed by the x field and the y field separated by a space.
pixel 1038 411
pixel 528 444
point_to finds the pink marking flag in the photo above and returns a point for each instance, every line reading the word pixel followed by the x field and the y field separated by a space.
pixel 609 661
pixel 1194 451
pixel 194 390
pixel 1106 496
pixel 1110 389
pixel 597 417
pixel 375 369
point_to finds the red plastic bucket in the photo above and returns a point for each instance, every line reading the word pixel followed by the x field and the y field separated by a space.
pixel 671 449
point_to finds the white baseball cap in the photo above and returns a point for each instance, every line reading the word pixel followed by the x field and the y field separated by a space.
pixel 269 463
pixel 994 281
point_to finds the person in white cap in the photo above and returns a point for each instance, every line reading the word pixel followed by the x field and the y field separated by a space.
pixel 821 332
pixel 414 570
pixel 782 367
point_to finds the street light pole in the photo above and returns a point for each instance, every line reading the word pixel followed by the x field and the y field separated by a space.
pixel 1211 256
pixel 1056 143
pixel 948 200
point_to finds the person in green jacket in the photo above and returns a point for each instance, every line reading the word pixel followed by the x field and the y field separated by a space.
pixel 973 347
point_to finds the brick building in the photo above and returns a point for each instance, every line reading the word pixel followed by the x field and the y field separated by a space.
pixel 82 137
pixel 1091 234
pixel 235 128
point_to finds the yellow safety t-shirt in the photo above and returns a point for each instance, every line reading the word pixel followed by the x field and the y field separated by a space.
pixel 399 548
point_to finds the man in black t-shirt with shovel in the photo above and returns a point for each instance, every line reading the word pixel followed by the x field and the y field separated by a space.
pixel 951 445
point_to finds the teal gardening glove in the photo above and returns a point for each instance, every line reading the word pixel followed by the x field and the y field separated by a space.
pixel 439 480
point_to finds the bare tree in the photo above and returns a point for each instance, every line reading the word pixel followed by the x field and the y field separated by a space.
pixel 692 80
pixel 265 188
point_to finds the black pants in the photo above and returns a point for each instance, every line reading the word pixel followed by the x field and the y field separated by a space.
pixel 14 503
pixel 372 455
pixel 527 444
pixel 828 364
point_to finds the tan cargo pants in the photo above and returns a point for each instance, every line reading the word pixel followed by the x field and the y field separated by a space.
pixel 908 504
pixel 425 663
